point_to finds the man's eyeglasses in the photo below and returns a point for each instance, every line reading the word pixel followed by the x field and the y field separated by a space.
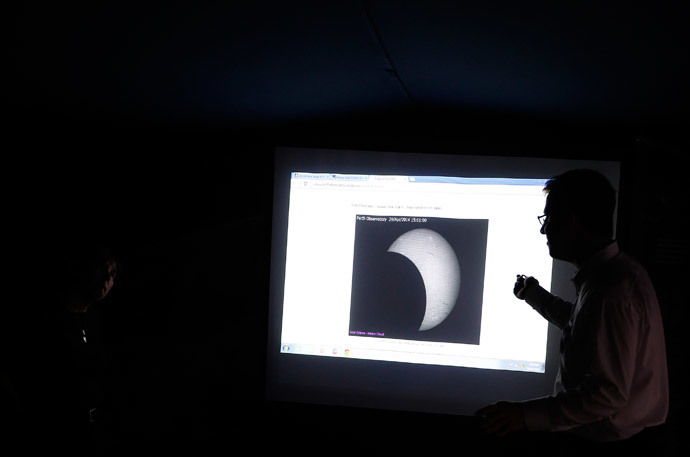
pixel 543 219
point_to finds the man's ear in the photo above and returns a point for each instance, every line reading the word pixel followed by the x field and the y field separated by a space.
pixel 574 220
pixel 582 231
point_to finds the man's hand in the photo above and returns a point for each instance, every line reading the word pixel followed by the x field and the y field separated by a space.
pixel 521 284
pixel 501 418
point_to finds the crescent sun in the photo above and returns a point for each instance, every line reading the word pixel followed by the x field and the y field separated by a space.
pixel 438 265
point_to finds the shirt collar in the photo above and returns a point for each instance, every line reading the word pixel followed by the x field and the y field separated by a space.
pixel 606 253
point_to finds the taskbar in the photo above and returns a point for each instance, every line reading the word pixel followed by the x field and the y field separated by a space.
pixel 413 357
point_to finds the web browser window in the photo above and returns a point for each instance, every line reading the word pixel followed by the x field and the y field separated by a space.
pixel 414 269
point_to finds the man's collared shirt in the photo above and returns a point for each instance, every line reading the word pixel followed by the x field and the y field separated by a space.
pixel 612 380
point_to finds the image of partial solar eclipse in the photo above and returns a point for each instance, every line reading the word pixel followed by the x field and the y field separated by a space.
pixel 439 268
pixel 418 279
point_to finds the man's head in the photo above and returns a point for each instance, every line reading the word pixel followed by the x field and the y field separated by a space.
pixel 579 213
pixel 88 276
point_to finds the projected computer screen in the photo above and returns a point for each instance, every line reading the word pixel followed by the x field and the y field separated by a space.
pixel 414 269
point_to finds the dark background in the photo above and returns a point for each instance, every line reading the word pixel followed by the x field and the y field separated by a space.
pixel 388 293
pixel 152 125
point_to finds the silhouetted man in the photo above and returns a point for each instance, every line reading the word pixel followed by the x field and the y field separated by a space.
pixel 612 381
pixel 53 370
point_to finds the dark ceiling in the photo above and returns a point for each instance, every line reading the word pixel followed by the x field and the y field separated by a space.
pixel 256 62
pixel 346 68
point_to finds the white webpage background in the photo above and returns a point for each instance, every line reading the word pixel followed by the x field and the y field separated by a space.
pixel 319 261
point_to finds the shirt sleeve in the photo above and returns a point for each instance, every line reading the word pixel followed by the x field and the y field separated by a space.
pixel 604 387
pixel 553 308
